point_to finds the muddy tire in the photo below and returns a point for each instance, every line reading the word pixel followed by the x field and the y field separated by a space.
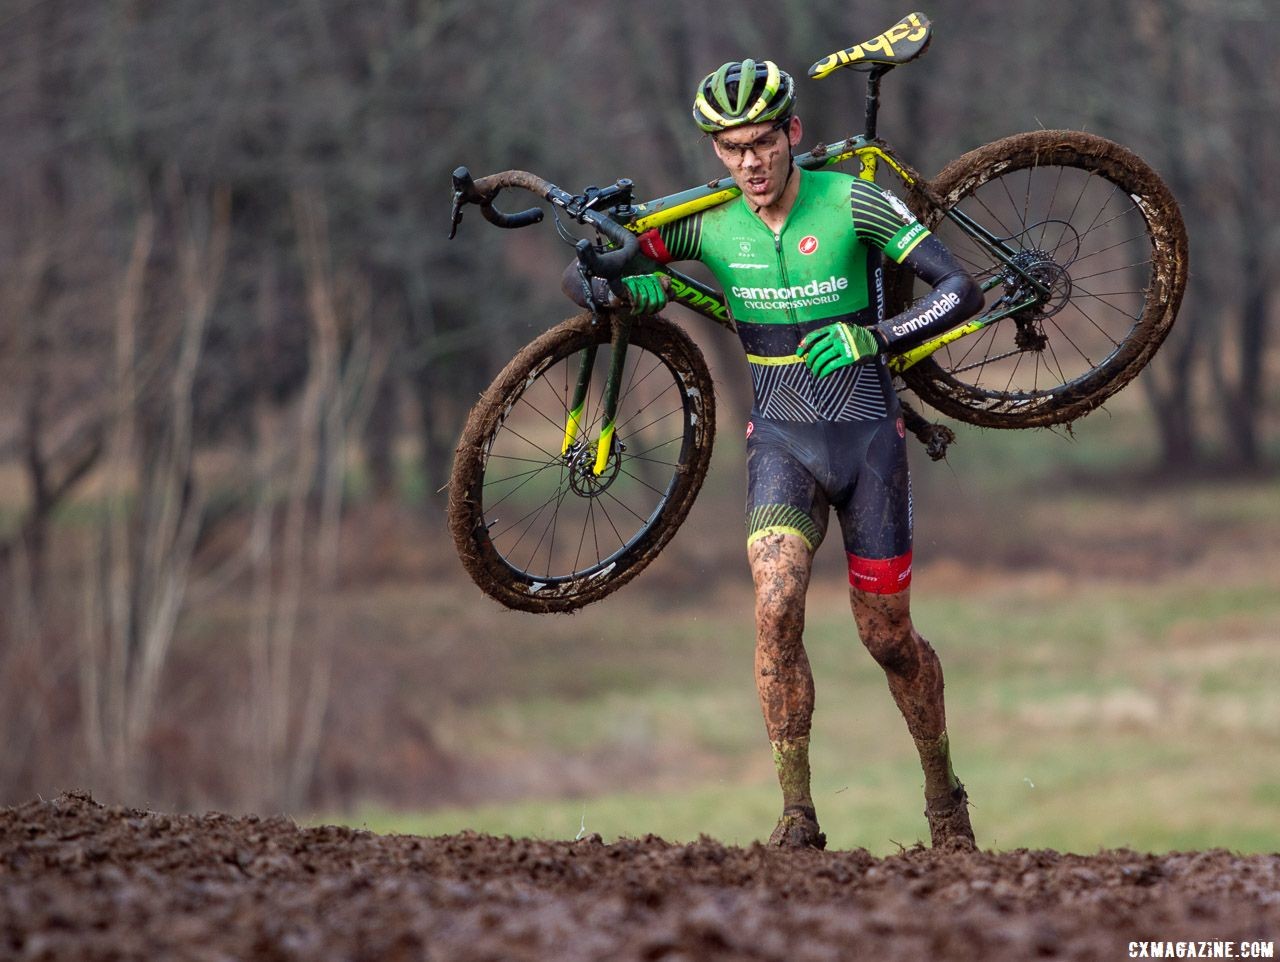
pixel 1101 230
pixel 536 528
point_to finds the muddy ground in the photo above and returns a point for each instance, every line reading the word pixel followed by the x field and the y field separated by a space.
pixel 82 881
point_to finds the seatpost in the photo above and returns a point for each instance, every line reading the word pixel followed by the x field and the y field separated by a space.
pixel 873 97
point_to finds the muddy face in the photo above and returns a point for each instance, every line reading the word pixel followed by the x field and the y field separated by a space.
pixel 758 157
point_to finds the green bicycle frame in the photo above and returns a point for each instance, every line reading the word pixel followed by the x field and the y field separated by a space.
pixel 710 303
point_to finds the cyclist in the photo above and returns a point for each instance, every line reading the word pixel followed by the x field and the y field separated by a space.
pixel 799 257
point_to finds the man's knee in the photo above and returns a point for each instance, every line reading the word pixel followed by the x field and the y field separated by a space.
pixel 885 627
pixel 780 568
pixel 897 651
pixel 780 596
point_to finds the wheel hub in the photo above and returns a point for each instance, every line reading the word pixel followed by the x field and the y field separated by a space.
pixel 580 459
pixel 1040 266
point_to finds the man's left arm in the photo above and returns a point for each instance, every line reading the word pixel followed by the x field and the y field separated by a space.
pixel 955 297
pixel 883 221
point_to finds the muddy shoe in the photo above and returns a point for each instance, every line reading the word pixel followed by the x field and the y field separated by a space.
pixel 949 828
pixel 798 828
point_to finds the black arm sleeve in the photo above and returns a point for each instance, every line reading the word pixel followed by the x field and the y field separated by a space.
pixel 955 298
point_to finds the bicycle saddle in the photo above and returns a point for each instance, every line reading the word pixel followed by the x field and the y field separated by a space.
pixel 904 41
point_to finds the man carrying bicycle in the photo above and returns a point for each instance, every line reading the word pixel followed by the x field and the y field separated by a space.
pixel 799 257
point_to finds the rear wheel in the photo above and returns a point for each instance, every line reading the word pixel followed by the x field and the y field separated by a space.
pixel 536 526
pixel 1100 231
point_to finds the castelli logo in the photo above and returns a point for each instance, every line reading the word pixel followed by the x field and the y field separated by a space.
pixel 808 244
pixel 751 426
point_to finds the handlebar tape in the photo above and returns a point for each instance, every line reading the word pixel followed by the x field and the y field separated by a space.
pixel 608 264
pixel 465 189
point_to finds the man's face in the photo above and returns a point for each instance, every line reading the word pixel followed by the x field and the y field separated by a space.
pixel 758 157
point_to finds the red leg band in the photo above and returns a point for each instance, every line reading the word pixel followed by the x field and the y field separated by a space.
pixel 880 576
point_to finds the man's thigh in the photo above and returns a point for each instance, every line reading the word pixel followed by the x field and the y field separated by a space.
pixel 783 496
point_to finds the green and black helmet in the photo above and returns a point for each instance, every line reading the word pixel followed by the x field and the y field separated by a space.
pixel 738 94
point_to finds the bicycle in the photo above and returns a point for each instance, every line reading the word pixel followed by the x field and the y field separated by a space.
pixel 577 466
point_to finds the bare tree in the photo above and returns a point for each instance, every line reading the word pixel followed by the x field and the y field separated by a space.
pixel 295 541
pixel 154 507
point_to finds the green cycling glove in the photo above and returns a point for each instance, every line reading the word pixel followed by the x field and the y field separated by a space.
pixel 837 345
pixel 646 293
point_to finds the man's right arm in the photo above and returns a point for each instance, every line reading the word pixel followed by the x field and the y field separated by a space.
pixel 681 240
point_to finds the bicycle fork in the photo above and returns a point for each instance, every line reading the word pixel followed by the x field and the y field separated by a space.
pixel 574 426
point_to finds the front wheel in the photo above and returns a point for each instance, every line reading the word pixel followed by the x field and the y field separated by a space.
pixel 1101 234
pixel 539 522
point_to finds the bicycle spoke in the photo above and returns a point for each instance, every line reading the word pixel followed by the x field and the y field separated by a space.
pixel 1068 338
pixel 1057 364
pixel 1096 325
pixel 590 525
pixel 531 517
pixel 530 476
pixel 644 455
pixel 633 432
pixel 641 481
pixel 648 404
pixel 626 507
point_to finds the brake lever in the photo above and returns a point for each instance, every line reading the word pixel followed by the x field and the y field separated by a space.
pixel 606 265
pixel 456 216
pixel 464 192
pixel 594 303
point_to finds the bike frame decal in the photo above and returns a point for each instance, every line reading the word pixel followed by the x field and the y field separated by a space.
pixel 698 297
pixel 901 362
pixel 673 207
pixel 603 448
pixel 573 427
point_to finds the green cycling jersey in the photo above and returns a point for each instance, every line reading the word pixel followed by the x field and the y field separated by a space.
pixel 815 267
pixel 824 265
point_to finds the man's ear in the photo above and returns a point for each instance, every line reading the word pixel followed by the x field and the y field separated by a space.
pixel 795 130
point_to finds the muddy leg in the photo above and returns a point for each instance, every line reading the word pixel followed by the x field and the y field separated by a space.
pixel 914 673
pixel 780 566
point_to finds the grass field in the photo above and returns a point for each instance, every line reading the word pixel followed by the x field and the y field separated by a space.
pixel 1110 653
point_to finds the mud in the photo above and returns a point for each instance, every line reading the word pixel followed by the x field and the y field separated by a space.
pixel 780 566
pixel 85 882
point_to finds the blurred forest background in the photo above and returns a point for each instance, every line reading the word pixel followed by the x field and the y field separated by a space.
pixel 236 347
